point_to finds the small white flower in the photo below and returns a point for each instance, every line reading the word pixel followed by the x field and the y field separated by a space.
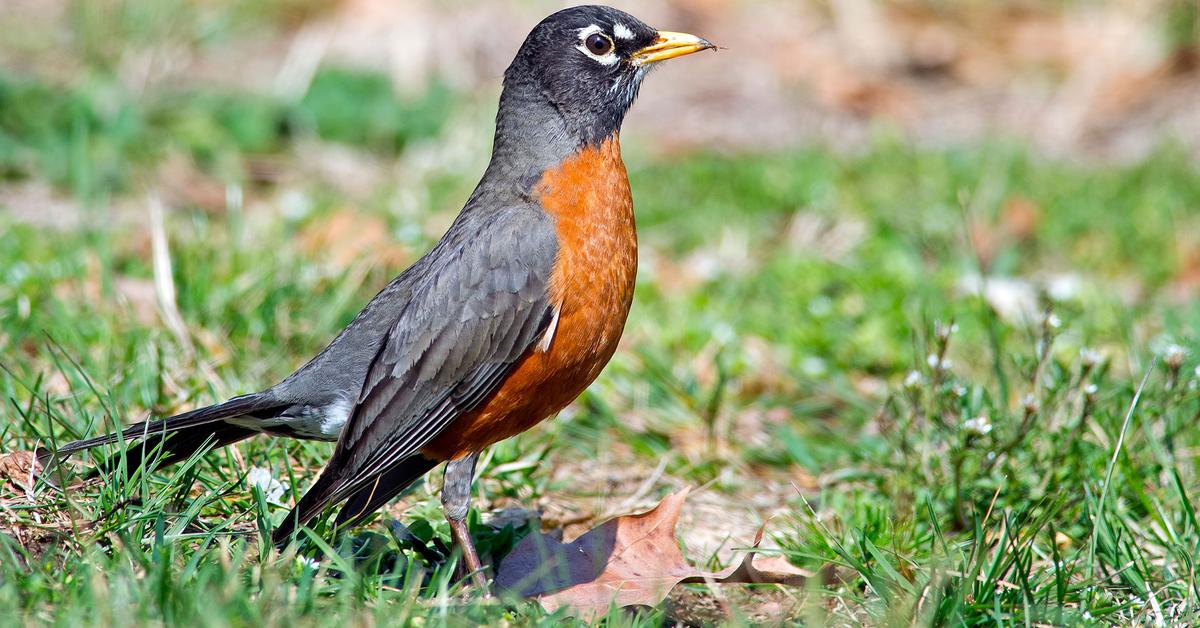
pixel 1029 402
pixel 820 306
pixel 308 563
pixel 913 379
pixel 979 426
pixel 1063 287
pixel 723 333
pixel 295 204
pixel 1015 300
pixel 960 391
pixel 813 366
pixel 272 489
pixel 1173 355
pixel 1197 371
pixel 1090 389
pixel 1090 357
pixel 937 364
pixel 1053 321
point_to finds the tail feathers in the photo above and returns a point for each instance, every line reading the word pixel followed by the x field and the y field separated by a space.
pixel 176 446
pixel 177 437
pixel 360 504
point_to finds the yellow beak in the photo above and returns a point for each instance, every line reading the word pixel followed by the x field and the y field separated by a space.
pixel 670 45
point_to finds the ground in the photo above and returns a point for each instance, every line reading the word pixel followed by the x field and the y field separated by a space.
pixel 959 382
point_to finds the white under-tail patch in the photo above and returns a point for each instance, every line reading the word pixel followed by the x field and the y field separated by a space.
pixel 316 422
pixel 543 345
pixel 336 415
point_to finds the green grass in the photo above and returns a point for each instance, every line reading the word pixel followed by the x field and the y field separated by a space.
pixel 777 354
pixel 93 138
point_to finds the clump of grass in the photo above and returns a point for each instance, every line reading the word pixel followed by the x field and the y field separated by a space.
pixel 1057 503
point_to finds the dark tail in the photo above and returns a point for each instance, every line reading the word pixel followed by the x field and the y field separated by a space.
pixel 174 439
pixel 360 505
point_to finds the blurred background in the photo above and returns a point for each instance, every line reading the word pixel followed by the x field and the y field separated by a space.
pixel 195 195
pixel 184 84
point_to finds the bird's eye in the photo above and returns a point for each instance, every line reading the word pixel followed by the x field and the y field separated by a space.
pixel 599 44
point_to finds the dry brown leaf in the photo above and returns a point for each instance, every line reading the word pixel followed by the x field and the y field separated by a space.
pixel 1018 221
pixel 627 561
pixel 347 236
pixel 186 185
pixel 37 203
pixel 140 295
pixel 633 559
pixel 755 570
pixel 20 468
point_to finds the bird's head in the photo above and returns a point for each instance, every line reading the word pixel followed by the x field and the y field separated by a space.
pixel 588 63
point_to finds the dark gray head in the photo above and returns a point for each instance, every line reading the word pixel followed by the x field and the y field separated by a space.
pixel 587 63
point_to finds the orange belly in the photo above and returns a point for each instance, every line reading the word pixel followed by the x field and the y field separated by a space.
pixel 592 287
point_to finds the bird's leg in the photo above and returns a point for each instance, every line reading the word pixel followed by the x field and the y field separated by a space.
pixel 456 502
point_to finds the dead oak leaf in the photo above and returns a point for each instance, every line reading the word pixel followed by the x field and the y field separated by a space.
pixel 757 569
pixel 632 559
pixel 626 561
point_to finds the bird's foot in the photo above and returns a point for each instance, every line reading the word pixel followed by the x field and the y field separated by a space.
pixel 462 536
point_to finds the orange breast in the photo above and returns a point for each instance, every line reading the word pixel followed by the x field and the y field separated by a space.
pixel 592 285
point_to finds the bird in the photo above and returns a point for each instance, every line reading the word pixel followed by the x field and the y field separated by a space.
pixel 502 324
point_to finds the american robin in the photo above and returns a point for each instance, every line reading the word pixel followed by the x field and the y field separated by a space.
pixel 502 324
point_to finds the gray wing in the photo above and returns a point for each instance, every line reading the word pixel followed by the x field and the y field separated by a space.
pixel 481 306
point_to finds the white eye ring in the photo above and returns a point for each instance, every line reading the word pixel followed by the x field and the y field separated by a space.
pixel 606 59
